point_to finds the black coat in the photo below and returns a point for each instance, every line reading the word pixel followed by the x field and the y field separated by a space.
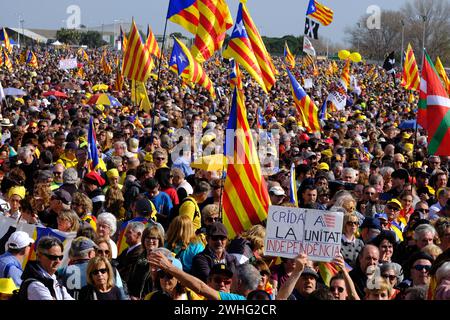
pixel 126 262
pixel 205 260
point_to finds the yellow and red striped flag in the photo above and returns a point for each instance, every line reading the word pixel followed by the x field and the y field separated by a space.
pixel 137 61
pixel 245 200
pixel 320 12
pixel 151 43
pixel 7 42
pixel 235 75
pixel 307 61
pixel 288 56
pixel 7 61
pixel 80 73
pixel 83 54
pixel 23 56
pixel 185 13
pixel 123 39
pixel 214 20
pixel 118 85
pixel 247 48
pixel 410 76
pixel 345 75
pixel 182 62
pixel 32 60
pixel 440 69
pixel 105 65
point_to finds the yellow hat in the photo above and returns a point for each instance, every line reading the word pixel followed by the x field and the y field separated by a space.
pixel 362 117
pixel 148 157
pixel 396 202
pixel 406 135
pixel 327 153
pixel 343 119
pixel 357 111
pixel 7 286
pixel 88 95
pixel 18 190
pixel 20 100
pixel 207 138
pixel 409 147
pixel 323 166
pixel 100 107
pixel 112 173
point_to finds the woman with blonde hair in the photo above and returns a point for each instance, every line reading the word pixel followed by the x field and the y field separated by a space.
pixel 182 241
pixel 114 201
pixel 351 246
pixel 82 205
pixel 68 221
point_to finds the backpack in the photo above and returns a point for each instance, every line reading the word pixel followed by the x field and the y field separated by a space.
pixel 176 209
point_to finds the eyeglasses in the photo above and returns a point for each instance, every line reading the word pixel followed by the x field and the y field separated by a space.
pixel 420 267
pixel 105 252
pixel 211 219
pixel 393 208
pixel 339 289
pixel 164 275
pixel 391 277
pixel 151 239
pixel 219 280
pixel 353 223
pixel 53 257
pixel 423 210
pixel 98 271
pixel 216 238
pixel 160 158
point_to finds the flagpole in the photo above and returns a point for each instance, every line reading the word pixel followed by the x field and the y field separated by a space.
pixel 158 81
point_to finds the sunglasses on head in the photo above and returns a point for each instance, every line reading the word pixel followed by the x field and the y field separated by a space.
pixel 53 257
pixel 98 271
pixel 339 289
pixel 164 275
pixel 391 277
pixel 421 267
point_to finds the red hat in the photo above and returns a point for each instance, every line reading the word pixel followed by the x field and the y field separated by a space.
pixel 94 178
pixel 304 136
pixel 329 141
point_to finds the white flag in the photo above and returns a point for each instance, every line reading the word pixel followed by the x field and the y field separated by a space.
pixel 2 93
pixel 308 47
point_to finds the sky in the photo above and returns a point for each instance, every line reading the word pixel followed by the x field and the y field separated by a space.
pixel 273 18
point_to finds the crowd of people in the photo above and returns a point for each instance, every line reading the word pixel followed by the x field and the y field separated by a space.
pixel 149 226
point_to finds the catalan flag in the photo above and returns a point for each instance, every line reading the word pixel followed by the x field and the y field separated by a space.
pixel 23 56
pixel 7 42
pixel 288 56
pixel 32 60
pixel 118 85
pixel 81 52
pixel 185 13
pixel 328 270
pixel 137 61
pixel 92 146
pixel 245 200
pixel 80 73
pixel 260 121
pixel 188 68
pixel 345 75
pixel 151 44
pixel 410 75
pixel 293 186
pixel 6 61
pixel 235 75
pixel 305 105
pixel 307 61
pixel 123 39
pixel 104 63
pixel 240 48
pixel 214 20
pixel 320 12
pixel 440 69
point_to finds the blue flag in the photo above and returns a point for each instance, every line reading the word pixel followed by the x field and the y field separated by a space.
pixel 92 145
pixel 323 111
pixel 178 58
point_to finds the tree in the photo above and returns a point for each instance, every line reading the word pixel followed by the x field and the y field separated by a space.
pixel 92 39
pixel 68 36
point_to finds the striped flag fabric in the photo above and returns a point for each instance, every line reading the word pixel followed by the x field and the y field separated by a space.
pixel 410 75
pixel 185 13
pixel 328 270
pixel 137 61
pixel 123 39
pixel 246 199
pixel 105 65
pixel 6 61
pixel 240 50
pixel 185 65
pixel 437 108
pixel 92 146
pixel 118 85
pixel 440 69
pixel 345 75
pixel 235 75
pixel 318 11
pixel 7 42
pixel 32 60
pixel 151 44
pixel 288 56
pixel 81 52
pixel 293 186
pixel 307 61
pixel 214 20
pixel 330 220
pixel 305 105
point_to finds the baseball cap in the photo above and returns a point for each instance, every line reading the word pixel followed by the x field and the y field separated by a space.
pixel 395 202
pixel 217 229
pixel 81 245
pixel 323 166
pixel 71 146
pixel 221 268
pixel 371 223
pixel 63 196
pixel 311 272
pixel 277 190
pixel 18 240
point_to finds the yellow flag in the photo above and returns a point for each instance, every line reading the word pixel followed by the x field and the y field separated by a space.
pixel 139 96
pixel 440 69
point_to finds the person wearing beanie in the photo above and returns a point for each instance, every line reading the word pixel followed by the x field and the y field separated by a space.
pixel 113 180
pixel 70 180
pixel 92 185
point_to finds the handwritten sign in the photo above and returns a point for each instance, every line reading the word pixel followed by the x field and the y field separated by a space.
pixel 291 231
pixel 67 64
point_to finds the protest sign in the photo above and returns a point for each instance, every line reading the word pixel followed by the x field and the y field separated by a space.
pixel 67 64
pixel 291 231
pixel 308 83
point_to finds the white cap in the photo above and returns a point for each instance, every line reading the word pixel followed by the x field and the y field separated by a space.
pixel 18 240
pixel 277 190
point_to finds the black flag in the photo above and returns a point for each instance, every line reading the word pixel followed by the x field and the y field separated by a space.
pixel 311 28
pixel 389 63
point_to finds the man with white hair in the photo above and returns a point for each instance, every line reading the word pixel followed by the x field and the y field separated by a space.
pixel 106 228
pixel 349 175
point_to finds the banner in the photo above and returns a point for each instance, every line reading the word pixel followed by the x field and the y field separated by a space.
pixel 67 64
pixel 307 84
pixel 338 96
pixel 291 231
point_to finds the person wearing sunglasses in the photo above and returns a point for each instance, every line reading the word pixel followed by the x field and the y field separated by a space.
pixel 351 246
pixel 39 278
pixel 393 273
pixel 100 282
pixel 392 210
pixel 220 278
pixel 418 269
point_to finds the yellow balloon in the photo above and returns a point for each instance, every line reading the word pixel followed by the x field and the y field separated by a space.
pixel 355 57
pixel 343 54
